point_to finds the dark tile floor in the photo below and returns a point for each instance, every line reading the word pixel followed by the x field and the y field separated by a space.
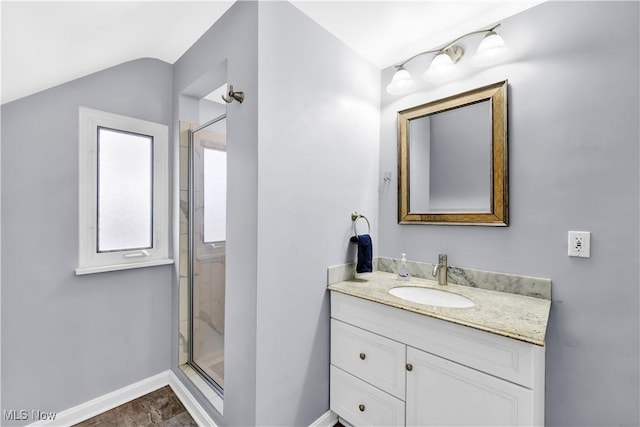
pixel 160 408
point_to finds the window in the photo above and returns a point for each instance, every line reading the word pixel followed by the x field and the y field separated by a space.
pixel 123 193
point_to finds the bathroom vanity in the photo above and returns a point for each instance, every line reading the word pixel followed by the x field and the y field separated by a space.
pixel 395 362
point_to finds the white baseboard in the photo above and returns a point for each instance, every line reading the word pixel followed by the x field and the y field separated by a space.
pixel 116 398
pixel 328 419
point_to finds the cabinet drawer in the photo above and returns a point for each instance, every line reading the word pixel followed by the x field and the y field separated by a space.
pixel 361 404
pixel 370 357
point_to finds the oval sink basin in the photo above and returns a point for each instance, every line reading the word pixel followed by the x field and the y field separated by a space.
pixel 431 297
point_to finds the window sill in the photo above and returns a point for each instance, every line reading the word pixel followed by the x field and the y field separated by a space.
pixel 115 267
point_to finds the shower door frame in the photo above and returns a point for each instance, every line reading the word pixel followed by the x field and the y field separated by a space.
pixel 191 254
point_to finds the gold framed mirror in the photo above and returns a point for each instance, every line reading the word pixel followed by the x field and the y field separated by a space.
pixel 452 160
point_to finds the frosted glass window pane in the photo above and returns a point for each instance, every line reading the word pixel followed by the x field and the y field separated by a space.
pixel 215 195
pixel 125 188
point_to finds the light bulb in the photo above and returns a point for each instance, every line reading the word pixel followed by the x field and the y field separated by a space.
pixel 401 83
pixel 441 69
pixel 492 50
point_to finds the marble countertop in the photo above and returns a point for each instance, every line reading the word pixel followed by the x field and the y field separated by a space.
pixel 515 316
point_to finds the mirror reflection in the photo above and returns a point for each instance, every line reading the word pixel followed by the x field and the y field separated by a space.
pixel 455 147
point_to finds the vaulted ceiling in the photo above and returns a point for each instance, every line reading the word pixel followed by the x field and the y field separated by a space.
pixel 45 44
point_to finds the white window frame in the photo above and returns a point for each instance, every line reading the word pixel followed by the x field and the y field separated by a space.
pixel 89 259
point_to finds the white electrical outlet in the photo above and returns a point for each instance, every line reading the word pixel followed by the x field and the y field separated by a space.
pixel 580 244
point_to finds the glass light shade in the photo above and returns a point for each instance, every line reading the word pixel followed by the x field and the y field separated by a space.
pixel 441 69
pixel 492 50
pixel 401 83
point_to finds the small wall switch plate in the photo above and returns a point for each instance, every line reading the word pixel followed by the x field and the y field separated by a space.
pixel 580 244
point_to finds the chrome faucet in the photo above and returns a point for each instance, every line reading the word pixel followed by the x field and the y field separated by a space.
pixel 440 270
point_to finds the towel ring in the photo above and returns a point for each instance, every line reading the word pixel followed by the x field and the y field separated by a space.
pixel 355 216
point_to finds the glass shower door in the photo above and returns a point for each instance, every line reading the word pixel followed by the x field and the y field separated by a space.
pixel 208 196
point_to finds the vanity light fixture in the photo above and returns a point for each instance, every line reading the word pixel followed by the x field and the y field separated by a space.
pixel 492 50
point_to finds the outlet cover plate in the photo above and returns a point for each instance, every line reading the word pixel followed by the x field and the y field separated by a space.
pixel 580 244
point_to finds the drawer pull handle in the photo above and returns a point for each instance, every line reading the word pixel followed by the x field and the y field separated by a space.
pixel 409 367
pixel 361 407
pixel 362 356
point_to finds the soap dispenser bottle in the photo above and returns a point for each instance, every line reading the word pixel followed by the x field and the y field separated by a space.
pixel 403 269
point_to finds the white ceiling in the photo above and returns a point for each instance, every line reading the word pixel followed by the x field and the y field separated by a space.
pixel 45 44
pixel 387 32
pixel 48 43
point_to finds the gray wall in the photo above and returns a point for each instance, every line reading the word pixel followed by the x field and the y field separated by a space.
pixel 573 140
pixel 67 339
pixel 318 161
pixel 228 50
pixel 307 133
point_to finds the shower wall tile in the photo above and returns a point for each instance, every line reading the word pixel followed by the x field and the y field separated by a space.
pixel 184 137
pixel 184 266
pixel 184 299
pixel 197 269
pixel 183 342
pixel 217 295
pixel 184 245
pixel 183 270
pixel 184 212
pixel 184 168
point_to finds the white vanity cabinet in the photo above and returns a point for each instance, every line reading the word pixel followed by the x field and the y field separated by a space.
pixel 392 367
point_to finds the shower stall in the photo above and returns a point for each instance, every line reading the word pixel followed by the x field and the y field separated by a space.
pixel 207 249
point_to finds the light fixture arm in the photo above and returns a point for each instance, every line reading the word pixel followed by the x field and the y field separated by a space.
pixel 402 64
pixel 469 34
pixel 445 47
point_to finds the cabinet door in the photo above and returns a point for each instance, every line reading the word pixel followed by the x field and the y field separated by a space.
pixel 444 393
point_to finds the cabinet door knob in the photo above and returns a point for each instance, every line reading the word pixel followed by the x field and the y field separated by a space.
pixel 409 367
pixel 362 356
pixel 361 407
